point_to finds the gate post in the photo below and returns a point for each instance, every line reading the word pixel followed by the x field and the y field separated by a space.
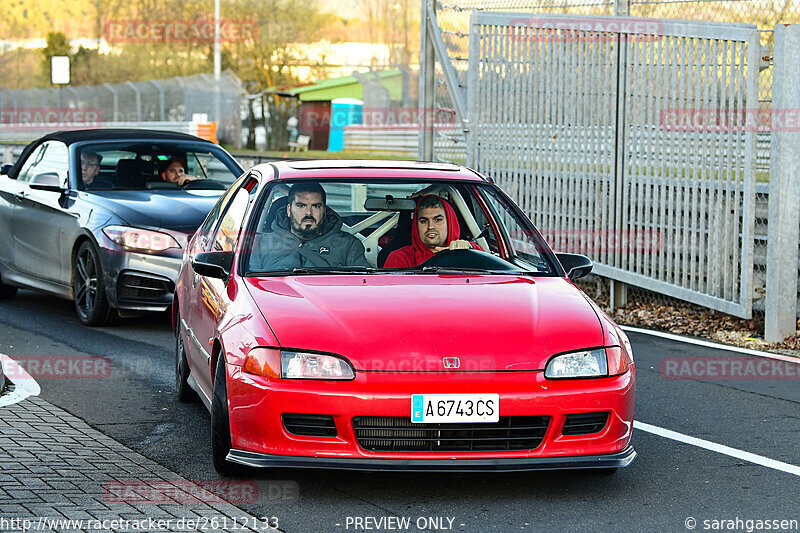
pixel 784 189
pixel 427 84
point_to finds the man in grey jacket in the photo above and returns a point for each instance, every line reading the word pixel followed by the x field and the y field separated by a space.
pixel 307 234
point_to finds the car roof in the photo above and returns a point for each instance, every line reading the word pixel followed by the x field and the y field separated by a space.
pixel 74 136
pixel 369 168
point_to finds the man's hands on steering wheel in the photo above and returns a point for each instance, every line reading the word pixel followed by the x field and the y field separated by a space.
pixel 458 244
pixel 468 258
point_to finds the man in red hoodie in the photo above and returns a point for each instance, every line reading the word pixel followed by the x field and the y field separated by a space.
pixel 434 228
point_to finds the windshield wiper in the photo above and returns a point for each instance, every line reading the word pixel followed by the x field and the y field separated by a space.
pixel 333 270
pixel 454 270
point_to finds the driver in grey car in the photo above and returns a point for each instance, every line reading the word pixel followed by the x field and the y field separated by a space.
pixel 175 172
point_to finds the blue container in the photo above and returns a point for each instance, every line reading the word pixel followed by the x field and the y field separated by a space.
pixel 344 111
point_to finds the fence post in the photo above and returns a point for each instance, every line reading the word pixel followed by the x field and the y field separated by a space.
pixel 427 84
pixel 784 189
pixel 138 100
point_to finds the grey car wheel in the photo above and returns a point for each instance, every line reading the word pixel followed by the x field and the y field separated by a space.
pixel 88 287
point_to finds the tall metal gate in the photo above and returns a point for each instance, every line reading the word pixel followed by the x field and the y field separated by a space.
pixel 630 140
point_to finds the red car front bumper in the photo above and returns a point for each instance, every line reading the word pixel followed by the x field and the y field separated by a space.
pixel 259 437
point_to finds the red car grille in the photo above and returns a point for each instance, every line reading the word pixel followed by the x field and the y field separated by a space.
pixel 399 434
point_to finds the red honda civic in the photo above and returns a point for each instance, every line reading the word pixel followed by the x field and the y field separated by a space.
pixel 376 315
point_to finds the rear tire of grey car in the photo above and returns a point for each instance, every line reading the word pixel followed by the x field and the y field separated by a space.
pixel 185 392
pixel 7 291
pixel 88 287
pixel 220 424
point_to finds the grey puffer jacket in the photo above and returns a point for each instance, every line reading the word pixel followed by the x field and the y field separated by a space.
pixel 283 250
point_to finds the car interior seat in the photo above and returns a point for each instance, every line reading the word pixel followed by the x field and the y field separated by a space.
pixel 129 174
pixel 401 236
pixel 278 204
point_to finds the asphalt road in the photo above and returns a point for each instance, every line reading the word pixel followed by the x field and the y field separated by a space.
pixel 669 484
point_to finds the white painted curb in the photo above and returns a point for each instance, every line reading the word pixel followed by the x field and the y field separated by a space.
pixel 24 384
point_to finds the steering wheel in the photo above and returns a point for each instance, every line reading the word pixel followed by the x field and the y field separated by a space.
pixel 469 258
pixel 203 183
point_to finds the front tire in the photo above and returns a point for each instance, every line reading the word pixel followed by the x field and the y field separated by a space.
pixel 220 423
pixel 7 291
pixel 184 391
pixel 88 285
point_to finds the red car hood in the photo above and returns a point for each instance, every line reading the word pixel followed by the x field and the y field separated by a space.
pixel 411 322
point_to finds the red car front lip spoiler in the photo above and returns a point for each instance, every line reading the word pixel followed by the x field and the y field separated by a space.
pixel 261 460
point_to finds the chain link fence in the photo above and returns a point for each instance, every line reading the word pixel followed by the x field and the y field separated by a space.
pixel 453 18
pixel 167 100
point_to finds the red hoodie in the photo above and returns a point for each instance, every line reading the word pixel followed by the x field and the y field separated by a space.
pixel 416 252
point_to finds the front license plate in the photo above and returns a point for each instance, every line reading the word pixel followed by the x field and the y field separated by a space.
pixel 455 408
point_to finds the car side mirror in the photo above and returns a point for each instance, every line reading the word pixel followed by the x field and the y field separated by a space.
pixel 213 264
pixel 47 181
pixel 576 265
pixel 5 169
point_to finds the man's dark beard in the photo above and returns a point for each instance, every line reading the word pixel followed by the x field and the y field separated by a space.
pixel 306 234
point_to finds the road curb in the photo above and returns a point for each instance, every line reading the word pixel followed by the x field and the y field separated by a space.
pixel 24 385
pixel 715 345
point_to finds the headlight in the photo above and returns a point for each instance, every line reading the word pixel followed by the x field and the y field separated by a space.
pixel 140 239
pixel 298 365
pixel 274 363
pixel 583 364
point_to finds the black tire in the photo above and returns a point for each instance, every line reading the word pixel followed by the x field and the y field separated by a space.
pixel 88 286
pixel 220 424
pixel 184 391
pixel 7 291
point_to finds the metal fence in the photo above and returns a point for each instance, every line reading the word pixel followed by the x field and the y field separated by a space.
pixel 584 149
pixel 167 100
pixel 677 183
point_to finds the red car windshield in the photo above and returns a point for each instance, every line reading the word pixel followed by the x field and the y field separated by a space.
pixel 355 225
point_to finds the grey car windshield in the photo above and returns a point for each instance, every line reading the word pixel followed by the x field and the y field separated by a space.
pixel 153 165
pixel 369 225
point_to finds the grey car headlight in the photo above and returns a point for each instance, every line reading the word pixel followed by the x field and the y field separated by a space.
pixel 582 364
pixel 140 239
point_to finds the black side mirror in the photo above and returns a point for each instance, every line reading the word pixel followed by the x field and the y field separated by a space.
pixel 47 181
pixel 5 169
pixel 213 264
pixel 576 265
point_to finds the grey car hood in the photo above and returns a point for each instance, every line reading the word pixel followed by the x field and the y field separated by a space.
pixel 168 209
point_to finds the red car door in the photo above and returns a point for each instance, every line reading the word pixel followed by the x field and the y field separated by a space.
pixel 209 295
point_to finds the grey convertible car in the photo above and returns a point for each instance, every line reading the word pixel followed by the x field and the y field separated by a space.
pixel 102 217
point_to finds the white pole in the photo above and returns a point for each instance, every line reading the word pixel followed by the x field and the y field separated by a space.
pixel 217 65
